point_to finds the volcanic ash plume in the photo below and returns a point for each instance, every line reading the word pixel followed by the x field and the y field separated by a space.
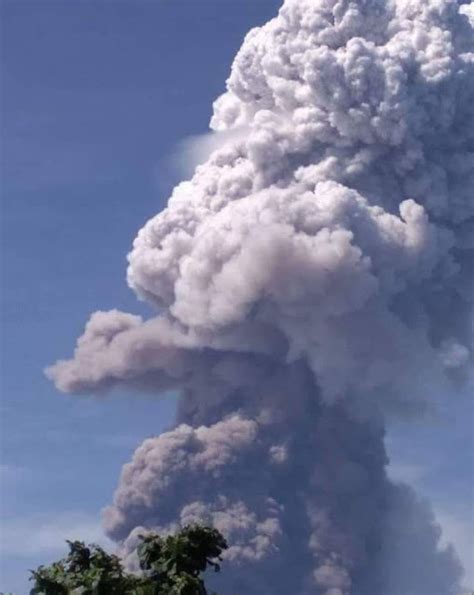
pixel 312 278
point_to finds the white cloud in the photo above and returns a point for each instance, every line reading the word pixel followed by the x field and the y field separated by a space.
pixel 10 475
pixel 46 534
pixel 459 531
pixel 410 473
pixel 456 525
pixel 191 152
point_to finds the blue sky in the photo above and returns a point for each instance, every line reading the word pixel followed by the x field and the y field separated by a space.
pixel 96 99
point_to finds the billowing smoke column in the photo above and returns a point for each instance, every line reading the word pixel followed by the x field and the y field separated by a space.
pixel 314 276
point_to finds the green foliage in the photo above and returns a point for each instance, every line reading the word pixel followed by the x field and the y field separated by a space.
pixel 85 571
pixel 176 562
pixel 170 566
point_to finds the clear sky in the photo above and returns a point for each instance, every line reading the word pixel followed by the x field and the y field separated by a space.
pixel 96 98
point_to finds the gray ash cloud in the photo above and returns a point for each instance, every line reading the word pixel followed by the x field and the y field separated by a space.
pixel 314 276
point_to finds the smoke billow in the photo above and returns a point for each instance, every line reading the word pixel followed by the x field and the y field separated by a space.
pixel 314 276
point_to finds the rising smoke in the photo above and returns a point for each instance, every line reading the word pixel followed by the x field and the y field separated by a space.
pixel 314 276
